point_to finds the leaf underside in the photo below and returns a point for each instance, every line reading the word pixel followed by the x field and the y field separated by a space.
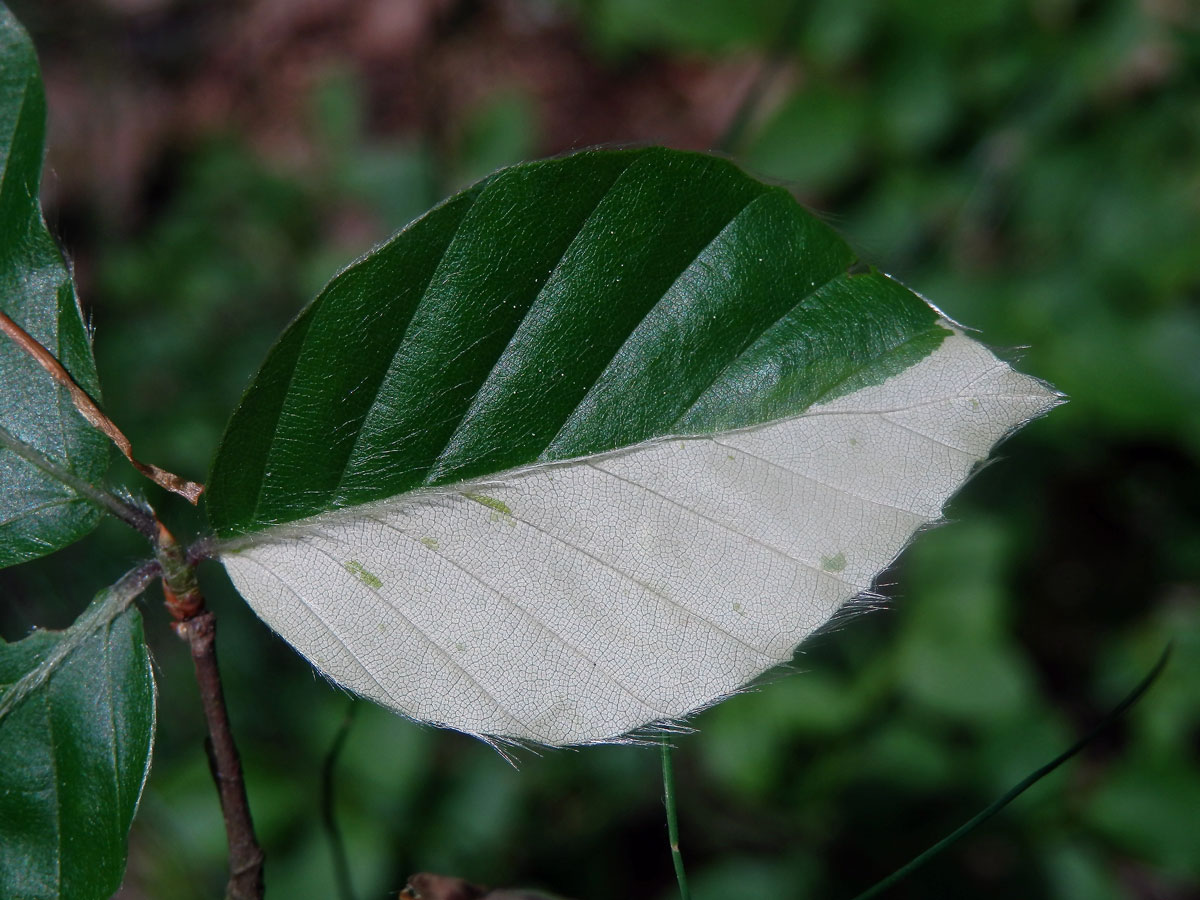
pixel 76 752
pixel 38 515
pixel 592 444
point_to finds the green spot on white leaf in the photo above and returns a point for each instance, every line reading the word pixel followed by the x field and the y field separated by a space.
pixel 500 509
pixel 835 563
pixel 359 571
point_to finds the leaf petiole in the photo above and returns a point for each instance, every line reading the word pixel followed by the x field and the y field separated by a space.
pixel 109 604
pixel 92 413
pixel 133 516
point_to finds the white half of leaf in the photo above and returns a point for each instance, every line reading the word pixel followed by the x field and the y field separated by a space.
pixel 575 602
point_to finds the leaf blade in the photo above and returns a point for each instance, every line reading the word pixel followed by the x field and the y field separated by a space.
pixel 37 514
pixel 680 305
pixel 597 592
pixel 77 752
pixel 412 436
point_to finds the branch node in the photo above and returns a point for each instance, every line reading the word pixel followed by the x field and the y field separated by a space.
pixel 180 588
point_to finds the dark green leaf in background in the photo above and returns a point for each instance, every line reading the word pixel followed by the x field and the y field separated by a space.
pixel 37 514
pixel 74 754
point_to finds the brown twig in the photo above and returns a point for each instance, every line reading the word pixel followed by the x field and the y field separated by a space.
pixel 245 855
pixel 198 626
pixel 87 407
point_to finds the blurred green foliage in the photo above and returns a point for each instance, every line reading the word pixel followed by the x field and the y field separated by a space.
pixel 1033 167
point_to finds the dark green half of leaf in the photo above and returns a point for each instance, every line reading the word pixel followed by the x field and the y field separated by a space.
pixel 75 754
pixel 556 309
pixel 37 514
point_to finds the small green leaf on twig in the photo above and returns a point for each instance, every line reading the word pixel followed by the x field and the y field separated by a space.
pixel 38 514
pixel 76 749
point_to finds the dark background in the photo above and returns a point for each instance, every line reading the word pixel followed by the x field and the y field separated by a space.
pixel 1031 166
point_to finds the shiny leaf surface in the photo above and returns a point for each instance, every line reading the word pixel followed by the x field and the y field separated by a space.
pixel 76 753
pixel 38 515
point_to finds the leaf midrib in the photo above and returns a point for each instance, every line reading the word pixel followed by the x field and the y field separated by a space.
pixel 831 392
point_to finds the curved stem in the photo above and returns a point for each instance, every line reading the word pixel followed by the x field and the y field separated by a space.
pixel 245 854
pixel 668 771
pixel 1133 697
pixel 337 845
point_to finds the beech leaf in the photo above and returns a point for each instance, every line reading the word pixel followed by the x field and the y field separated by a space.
pixel 593 444
pixel 75 745
pixel 38 514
